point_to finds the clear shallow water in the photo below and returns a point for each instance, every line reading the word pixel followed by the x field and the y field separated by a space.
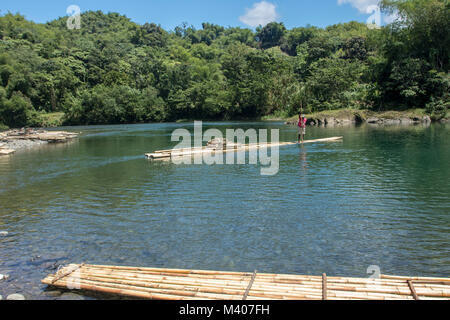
pixel 379 198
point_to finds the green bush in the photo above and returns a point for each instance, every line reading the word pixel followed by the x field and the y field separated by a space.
pixel 17 111
pixel 43 119
pixel 438 108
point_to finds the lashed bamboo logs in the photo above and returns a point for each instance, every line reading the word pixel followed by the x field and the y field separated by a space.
pixel 324 287
pixel 161 154
pixel 175 284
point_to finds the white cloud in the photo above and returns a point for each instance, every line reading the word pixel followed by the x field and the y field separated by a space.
pixel 370 7
pixel 364 6
pixel 261 14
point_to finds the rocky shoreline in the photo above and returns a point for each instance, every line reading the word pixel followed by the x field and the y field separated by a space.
pixel 351 118
pixel 17 139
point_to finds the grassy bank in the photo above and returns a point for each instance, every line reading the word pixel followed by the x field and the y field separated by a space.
pixel 46 120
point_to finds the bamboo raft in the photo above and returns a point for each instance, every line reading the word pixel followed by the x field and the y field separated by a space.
pixel 171 153
pixel 178 284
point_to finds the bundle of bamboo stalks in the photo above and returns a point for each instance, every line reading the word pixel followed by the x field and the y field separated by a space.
pixel 178 284
pixel 229 147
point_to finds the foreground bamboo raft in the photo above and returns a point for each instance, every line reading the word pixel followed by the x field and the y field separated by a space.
pixel 178 284
pixel 167 154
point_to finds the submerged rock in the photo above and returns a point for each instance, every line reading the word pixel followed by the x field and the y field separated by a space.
pixel 15 296
pixel 54 293
pixel 71 296
pixel 330 120
pixel 406 120
pixel 373 120
pixel 3 277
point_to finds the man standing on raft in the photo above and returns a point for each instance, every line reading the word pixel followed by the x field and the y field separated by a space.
pixel 301 127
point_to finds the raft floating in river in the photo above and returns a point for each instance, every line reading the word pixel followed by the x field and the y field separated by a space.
pixel 178 284
pixel 165 154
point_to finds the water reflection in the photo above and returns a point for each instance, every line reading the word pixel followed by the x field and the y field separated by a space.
pixel 302 157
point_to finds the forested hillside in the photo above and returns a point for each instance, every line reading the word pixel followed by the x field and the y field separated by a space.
pixel 113 70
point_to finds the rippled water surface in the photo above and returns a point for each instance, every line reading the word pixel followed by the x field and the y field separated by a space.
pixel 380 197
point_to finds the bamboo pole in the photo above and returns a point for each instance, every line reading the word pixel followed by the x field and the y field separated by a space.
pixel 426 279
pixel 185 273
pixel 413 290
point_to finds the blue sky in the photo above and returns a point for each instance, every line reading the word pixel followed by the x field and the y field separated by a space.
pixel 170 13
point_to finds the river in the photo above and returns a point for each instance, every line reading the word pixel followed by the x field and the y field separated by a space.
pixel 380 197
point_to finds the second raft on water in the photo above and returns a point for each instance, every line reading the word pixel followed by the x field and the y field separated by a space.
pixel 225 146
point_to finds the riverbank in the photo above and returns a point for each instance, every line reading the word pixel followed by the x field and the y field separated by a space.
pixel 329 117
pixel 17 139
pixel 350 116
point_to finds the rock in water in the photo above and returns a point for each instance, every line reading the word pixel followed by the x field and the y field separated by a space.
pixel 15 296
pixel 3 277
pixel 54 293
pixel 71 296
pixel 373 120
pixel 406 121
pixel 3 233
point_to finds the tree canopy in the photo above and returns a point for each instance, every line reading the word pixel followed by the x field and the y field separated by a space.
pixel 113 70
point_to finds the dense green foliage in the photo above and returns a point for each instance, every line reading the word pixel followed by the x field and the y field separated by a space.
pixel 115 71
